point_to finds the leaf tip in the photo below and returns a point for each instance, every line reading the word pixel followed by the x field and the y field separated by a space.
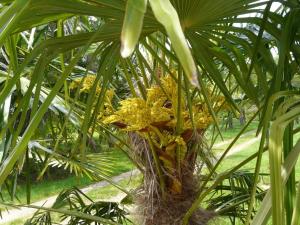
pixel 194 79
pixel 125 50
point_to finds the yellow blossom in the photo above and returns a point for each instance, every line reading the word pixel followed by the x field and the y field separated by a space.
pixel 156 95
pixel 87 84
pixel 158 113
pixel 134 113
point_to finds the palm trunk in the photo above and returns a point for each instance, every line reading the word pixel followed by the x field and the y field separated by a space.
pixel 168 206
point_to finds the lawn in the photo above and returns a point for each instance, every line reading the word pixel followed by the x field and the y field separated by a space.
pixel 242 155
pixel 107 193
pixel 47 188
pixel 238 157
pixel 230 133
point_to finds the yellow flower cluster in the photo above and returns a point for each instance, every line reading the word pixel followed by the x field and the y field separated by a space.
pixel 133 113
pixel 155 119
pixel 87 84
pixel 173 142
pixel 159 109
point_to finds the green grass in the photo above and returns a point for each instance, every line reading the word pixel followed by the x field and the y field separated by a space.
pixel 99 194
pixel 110 191
pixel 220 149
pixel 238 157
pixel 121 163
pixel 231 133
pixel 47 188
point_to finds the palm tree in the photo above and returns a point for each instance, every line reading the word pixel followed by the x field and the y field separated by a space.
pixel 220 44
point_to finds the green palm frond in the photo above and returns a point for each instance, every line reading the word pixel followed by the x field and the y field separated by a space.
pixel 231 198
pixel 76 200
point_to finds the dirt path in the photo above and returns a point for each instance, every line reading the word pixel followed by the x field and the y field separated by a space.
pixel 249 133
pixel 243 146
pixel 14 214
